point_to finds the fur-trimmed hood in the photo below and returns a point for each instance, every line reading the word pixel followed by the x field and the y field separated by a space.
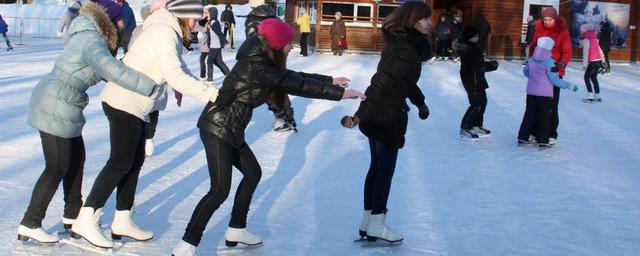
pixel 94 17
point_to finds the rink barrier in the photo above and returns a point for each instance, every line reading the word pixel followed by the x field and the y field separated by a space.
pixel 32 27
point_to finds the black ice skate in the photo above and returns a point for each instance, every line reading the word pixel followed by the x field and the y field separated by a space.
pixel 468 135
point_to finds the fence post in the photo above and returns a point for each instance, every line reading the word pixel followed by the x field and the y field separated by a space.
pixel 21 29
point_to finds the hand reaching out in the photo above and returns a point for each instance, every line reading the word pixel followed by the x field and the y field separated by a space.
pixel 341 81
pixel 353 94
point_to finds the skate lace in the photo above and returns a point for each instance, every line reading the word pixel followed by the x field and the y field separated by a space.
pixel 133 224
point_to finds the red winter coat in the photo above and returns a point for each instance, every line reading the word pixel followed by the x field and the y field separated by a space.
pixel 562 49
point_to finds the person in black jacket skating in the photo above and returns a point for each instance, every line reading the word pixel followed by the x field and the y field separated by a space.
pixel 383 115
pixel 472 69
pixel 229 21
pixel 604 38
pixel 259 74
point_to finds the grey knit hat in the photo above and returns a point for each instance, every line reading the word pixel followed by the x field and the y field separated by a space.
pixel 185 8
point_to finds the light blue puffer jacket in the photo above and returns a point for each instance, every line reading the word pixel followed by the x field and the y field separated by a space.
pixel 60 97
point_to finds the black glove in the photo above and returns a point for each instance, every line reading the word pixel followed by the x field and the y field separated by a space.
pixel 490 66
pixel 423 112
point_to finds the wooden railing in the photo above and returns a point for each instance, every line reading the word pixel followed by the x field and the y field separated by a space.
pixel 352 19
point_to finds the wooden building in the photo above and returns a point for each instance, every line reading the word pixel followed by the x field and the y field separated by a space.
pixel 363 19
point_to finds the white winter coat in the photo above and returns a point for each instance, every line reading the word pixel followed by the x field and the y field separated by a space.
pixel 157 53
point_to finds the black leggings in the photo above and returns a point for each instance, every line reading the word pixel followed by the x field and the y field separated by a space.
pixel 591 75
pixel 474 117
pixel 64 161
pixel 221 158
pixel 126 159
pixel 378 182
pixel 203 64
pixel 215 57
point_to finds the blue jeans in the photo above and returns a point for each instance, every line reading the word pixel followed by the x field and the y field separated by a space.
pixel 378 181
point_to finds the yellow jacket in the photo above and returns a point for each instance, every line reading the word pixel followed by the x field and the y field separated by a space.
pixel 305 23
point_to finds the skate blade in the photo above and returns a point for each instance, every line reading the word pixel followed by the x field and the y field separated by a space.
pixel 86 246
pixel 463 138
pixel 361 240
pixel 379 242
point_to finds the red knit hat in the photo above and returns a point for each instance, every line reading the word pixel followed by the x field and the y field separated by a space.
pixel 277 32
pixel 550 12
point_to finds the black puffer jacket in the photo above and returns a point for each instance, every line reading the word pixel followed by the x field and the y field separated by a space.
pixel 471 66
pixel 227 15
pixel 246 87
pixel 383 115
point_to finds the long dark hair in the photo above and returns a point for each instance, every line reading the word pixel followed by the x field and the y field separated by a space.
pixel 279 58
pixel 406 16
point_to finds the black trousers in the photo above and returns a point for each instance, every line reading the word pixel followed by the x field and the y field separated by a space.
pixel 303 43
pixel 123 167
pixel 442 46
pixel 555 119
pixel 203 64
pixel 215 57
pixel 591 75
pixel 221 157
pixel 6 39
pixel 606 51
pixel 64 161
pixel 475 112
pixel 378 182
pixel 150 130
pixel 537 119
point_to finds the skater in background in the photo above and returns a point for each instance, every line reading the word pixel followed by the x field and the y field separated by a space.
pixel 283 113
pixel 257 15
pixel 229 21
pixel 472 73
pixel 604 37
pixel 159 43
pixel 531 29
pixel 338 34
pixel 554 26
pixel 67 18
pixel 383 115
pixel 537 115
pixel 4 28
pixel 203 30
pixel 259 74
pixel 484 27
pixel 443 36
pixel 304 21
pixel 116 15
pixel 217 41
pixel 456 33
pixel 55 109
pixel 592 61
pixel 129 21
